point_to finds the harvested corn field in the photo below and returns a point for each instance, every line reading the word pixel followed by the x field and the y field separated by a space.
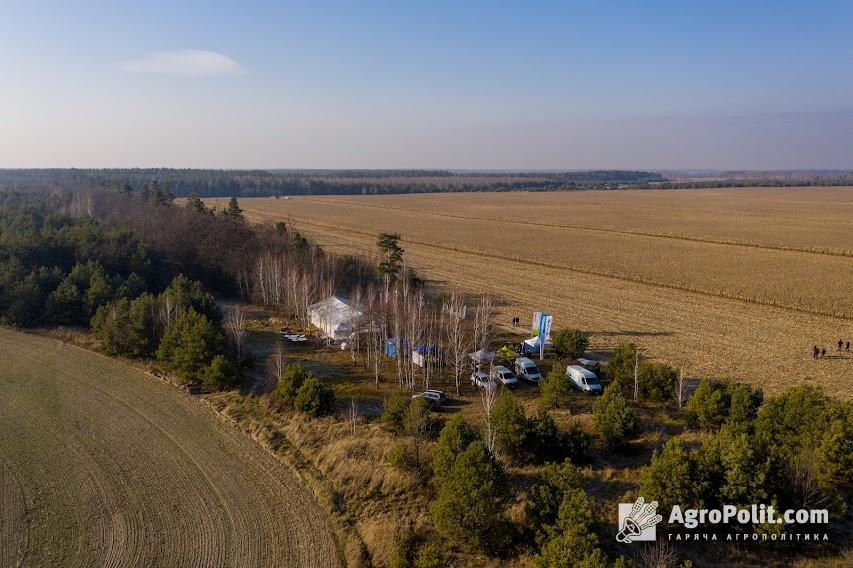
pixel 103 466
pixel 739 282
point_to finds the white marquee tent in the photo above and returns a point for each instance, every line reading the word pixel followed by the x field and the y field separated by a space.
pixel 334 317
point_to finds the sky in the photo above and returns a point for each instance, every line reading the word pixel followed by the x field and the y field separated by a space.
pixel 465 84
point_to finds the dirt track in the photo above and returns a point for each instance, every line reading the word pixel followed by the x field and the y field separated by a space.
pixel 103 466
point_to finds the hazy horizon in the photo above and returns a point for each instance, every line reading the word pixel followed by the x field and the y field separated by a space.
pixel 524 86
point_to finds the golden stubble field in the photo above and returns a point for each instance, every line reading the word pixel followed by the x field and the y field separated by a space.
pixel 101 465
pixel 729 282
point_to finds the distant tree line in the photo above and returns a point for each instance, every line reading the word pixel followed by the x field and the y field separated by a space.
pixel 223 183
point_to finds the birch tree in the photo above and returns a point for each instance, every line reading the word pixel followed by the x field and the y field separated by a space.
pixel 457 336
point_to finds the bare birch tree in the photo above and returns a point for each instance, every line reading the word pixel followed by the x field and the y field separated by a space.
pixel 457 336
pixel 488 397
pixel 236 326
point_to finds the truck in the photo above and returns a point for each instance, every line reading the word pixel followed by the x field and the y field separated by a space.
pixel 526 369
pixel 583 379
pixel 504 376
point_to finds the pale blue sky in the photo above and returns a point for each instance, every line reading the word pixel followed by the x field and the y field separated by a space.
pixel 429 84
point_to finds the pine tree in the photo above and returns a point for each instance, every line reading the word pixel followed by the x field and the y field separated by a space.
pixel 233 210
pixel 615 419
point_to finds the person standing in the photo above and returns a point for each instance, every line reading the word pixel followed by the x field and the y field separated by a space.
pixel 815 352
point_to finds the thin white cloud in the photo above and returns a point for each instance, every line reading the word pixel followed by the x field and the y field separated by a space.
pixel 184 62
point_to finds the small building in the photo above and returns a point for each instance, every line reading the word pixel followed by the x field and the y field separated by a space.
pixel 391 347
pixel 423 353
pixel 333 316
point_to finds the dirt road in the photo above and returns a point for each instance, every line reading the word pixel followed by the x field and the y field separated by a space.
pixel 101 465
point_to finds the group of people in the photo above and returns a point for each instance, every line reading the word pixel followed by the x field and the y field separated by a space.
pixel 516 321
pixel 820 352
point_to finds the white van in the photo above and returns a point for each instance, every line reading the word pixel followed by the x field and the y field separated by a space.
pixel 526 369
pixel 504 376
pixel 583 379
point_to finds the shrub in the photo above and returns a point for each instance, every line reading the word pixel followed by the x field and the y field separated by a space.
pixel 546 493
pixel 705 409
pixel 570 343
pixel 615 419
pixel 126 327
pixel 671 478
pixel 417 421
pixel 289 383
pixel 620 368
pixel 314 398
pixel 454 438
pixel 220 374
pixel 511 427
pixel 555 389
pixel 657 380
pixel 189 344
pixel 573 541
pixel 468 510
pixel 431 555
pixel 402 457
pixel 394 412
pixel 714 404
pixel 576 444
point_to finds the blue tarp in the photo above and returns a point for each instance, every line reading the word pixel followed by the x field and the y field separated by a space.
pixel 391 347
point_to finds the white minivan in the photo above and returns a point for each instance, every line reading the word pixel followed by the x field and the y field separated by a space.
pixel 583 379
pixel 504 376
pixel 526 369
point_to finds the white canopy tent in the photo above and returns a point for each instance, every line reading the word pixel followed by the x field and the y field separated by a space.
pixel 334 317
pixel 481 356
pixel 532 345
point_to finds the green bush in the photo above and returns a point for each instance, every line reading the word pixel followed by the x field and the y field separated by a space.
pixel 430 555
pixel 511 427
pixel 546 493
pixel 127 327
pixel 314 398
pixel 570 343
pixel 615 419
pixel 189 345
pixel 468 510
pixel 705 409
pixel 417 421
pixel 657 380
pixel 454 439
pixel 672 477
pixel 221 373
pixel 555 389
pixel 620 367
pixel 401 457
pixel 289 383
pixel 716 403
pixel 573 541
pixel 394 412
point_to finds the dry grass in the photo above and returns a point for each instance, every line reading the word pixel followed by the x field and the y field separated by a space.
pixel 735 283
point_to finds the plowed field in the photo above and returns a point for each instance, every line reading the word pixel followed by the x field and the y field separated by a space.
pixel 101 465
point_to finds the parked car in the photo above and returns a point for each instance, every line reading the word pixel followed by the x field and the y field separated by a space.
pixel 431 397
pixel 526 369
pixel 583 379
pixel 482 380
pixel 441 396
pixel 589 364
pixel 504 376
